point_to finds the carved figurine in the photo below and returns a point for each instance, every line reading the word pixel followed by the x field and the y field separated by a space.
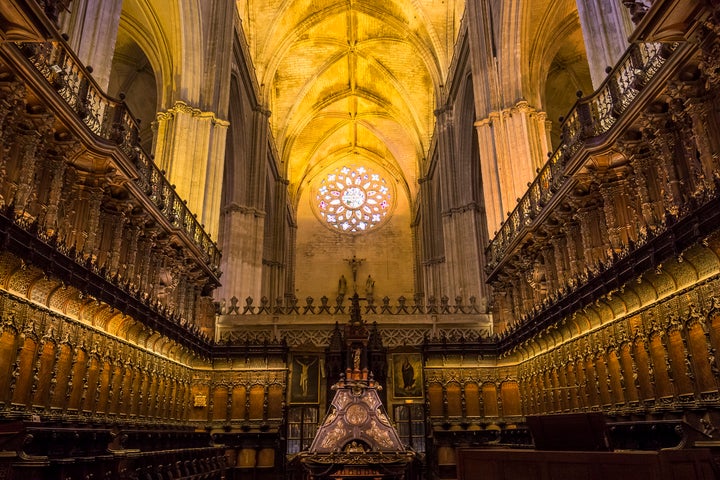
pixel 369 286
pixel 342 286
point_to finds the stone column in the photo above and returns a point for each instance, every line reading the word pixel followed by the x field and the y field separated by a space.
pixel 445 131
pixel 606 26
pixel 461 218
pixel 429 238
pixel 513 145
pixel 495 208
pixel 190 148
pixel 242 258
pixel 290 259
pixel 244 218
pixel 92 27
pixel 275 264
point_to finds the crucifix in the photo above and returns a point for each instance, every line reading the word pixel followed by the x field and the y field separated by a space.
pixel 354 263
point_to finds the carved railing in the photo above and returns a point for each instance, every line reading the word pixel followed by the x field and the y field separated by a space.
pixel 616 270
pixel 591 117
pixel 425 320
pixel 342 306
pixel 471 336
pixel 52 8
pixel 111 120
pixel 74 269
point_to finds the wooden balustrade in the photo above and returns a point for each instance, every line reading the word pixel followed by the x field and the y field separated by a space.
pixel 45 451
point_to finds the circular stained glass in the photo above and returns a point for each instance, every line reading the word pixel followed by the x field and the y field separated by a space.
pixel 353 199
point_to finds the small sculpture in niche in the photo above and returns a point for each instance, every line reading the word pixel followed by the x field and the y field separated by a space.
pixel 354 447
pixel 369 286
pixel 342 286
pixel 356 359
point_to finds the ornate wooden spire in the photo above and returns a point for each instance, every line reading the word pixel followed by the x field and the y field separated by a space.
pixel 356 437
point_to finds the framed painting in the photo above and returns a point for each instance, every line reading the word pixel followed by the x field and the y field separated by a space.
pixel 305 379
pixel 407 375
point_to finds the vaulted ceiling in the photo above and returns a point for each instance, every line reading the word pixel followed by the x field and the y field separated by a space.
pixel 351 80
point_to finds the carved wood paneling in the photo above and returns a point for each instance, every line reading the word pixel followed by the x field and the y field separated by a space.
pixel 276 399
pixel 256 410
pixel 491 408
pixel 510 396
pixel 239 396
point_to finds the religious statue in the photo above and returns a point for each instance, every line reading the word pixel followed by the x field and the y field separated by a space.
pixel 342 286
pixel 369 286
pixel 354 447
pixel 354 263
pixel 356 359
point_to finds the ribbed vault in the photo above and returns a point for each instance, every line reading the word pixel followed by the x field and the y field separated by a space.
pixel 350 80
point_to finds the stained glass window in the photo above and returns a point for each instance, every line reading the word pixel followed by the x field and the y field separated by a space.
pixel 354 199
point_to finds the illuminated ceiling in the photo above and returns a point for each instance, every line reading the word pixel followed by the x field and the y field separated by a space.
pixel 351 80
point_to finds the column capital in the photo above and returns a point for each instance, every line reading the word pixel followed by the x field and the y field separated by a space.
pixel 446 110
pixel 182 107
pixel 261 109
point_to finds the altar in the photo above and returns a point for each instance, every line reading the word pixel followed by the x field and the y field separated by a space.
pixel 356 439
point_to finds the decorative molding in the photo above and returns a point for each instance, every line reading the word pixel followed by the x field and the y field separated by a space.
pixel 319 335
pixel 182 107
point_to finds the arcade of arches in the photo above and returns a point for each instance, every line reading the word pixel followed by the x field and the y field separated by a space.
pixel 499 219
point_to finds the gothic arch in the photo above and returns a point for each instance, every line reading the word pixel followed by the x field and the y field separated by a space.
pixel 554 63
pixel 168 33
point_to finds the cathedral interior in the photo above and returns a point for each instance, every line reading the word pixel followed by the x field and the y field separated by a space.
pixel 359 239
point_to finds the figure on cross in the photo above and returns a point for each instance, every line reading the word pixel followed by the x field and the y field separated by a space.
pixel 354 263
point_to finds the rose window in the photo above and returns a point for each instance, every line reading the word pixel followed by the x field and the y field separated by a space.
pixel 353 199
